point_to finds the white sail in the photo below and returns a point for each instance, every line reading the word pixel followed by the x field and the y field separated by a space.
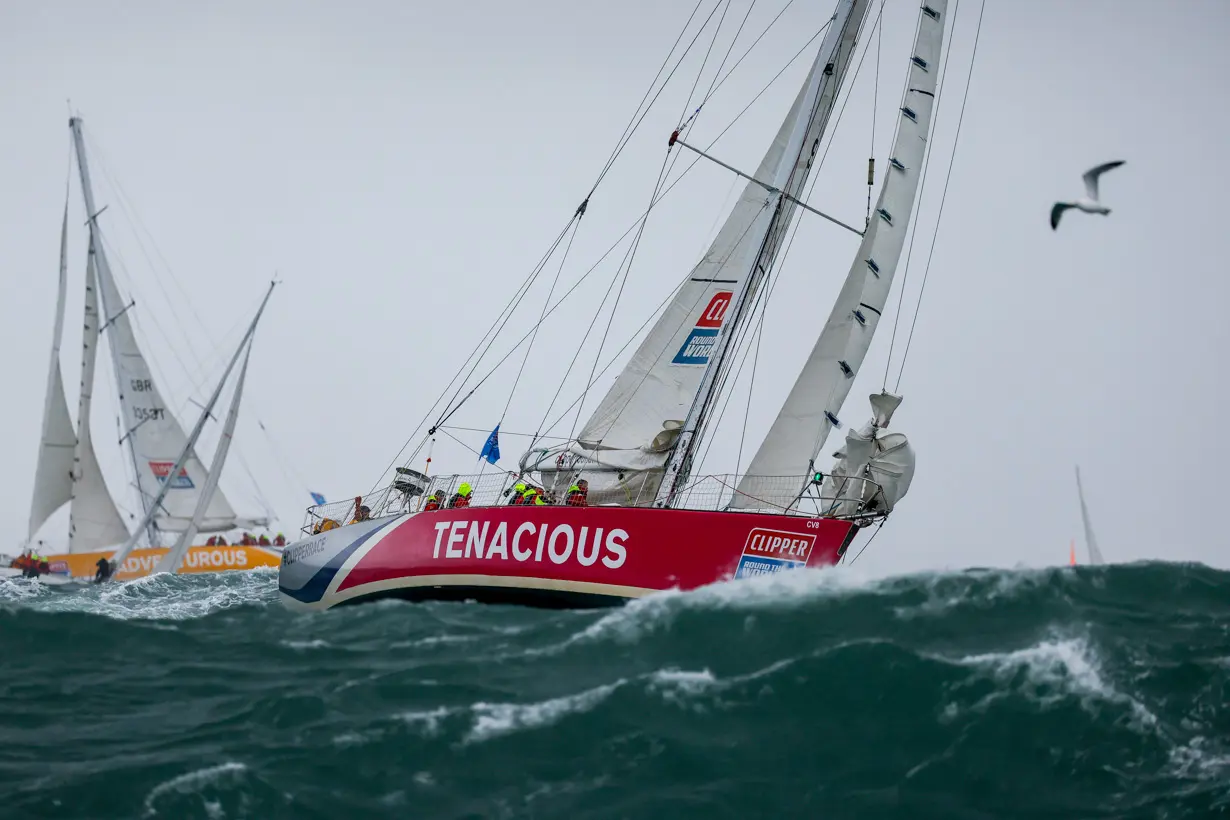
pixel 171 561
pixel 1095 554
pixel 806 418
pixel 187 452
pixel 152 432
pixel 632 432
pixel 53 482
pixel 94 522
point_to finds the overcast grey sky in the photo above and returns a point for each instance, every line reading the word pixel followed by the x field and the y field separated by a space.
pixel 404 165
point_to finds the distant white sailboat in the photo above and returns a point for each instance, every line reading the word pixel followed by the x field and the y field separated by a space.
pixel 1091 543
pixel 178 494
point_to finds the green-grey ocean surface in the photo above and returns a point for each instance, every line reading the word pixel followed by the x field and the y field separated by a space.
pixel 1066 693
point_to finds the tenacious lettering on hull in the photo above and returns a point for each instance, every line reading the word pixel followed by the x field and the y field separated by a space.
pixel 530 542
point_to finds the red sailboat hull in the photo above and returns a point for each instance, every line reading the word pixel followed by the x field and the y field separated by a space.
pixel 550 556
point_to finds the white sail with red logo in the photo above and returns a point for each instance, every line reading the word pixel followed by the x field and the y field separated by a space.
pixel 623 448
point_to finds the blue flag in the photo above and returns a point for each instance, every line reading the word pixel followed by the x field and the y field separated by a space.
pixel 491 450
pixel 317 498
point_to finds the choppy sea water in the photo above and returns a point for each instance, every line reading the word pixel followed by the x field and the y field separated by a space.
pixel 1086 692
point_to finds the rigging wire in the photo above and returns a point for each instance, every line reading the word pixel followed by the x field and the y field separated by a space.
pixel 576 225
pixel 634 124
pixel 502 432
pixel 869 540
pixel 494 331
pixel 668 164
pixel 658 185
pixel 943 196
pixel 875 105
pixel 623 281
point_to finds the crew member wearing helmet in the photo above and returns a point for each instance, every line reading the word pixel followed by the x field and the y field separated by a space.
pixel 461 498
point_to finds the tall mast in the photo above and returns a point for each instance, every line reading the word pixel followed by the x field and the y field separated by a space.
pixel 108 310
pixel 847 21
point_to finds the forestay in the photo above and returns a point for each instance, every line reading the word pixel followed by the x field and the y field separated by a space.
pixel 807 416
pixel 625 443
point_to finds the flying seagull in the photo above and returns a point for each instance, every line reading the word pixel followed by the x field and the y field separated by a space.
pixel 1089 203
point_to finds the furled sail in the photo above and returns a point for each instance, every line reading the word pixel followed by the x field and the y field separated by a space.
pixel 171 561
pixel 809 412
pixel 1095 554
pixel 625 443
pixel 53 482
pixel 151 430
pixel 874 469
pixel 94 522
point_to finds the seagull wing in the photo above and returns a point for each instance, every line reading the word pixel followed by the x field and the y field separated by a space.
pixel 1091 177
pixel 1057 211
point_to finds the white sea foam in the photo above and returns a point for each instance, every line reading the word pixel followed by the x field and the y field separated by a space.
pixel 497 719
pixel 1053 670
pixel 160 597
pixel 428 722
pixel 191 782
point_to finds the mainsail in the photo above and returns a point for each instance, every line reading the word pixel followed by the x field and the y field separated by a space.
pixel 625 444
pixel 1095 554
pixel 53 481
pixel 812 407
pixel 94 522
pixel 170 562
pixel 152 432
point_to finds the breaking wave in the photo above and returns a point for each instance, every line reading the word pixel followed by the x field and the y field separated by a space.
pixel 1087 692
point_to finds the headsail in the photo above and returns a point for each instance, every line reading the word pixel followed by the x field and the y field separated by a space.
pixel 152 432
pixel 1095 554
pixel 635 427
pixel 53 483
pixel 170 562
pixel 805 419
pixel 94 522
pixel 188 449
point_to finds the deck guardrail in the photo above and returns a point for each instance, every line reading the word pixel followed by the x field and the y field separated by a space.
pixel 847 497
